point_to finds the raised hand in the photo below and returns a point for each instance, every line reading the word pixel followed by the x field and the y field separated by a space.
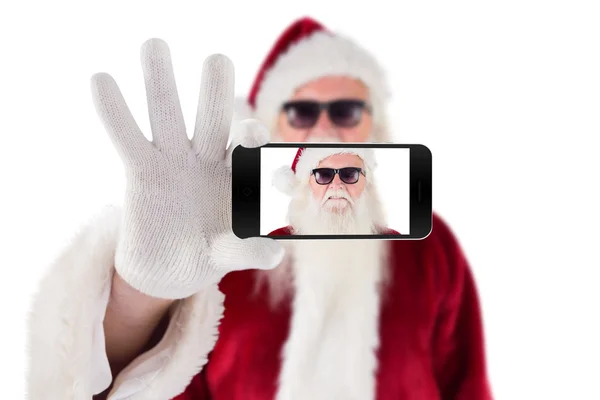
pixel 176 236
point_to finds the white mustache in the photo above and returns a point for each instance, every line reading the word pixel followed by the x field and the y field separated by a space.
pixel 339 193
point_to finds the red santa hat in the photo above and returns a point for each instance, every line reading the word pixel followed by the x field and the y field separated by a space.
pixel 286 179
pixel 307 51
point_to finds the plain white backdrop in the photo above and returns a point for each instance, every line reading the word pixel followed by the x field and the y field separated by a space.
pixel 506 95
pixel 392 180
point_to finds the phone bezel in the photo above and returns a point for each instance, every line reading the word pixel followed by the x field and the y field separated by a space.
pixel 246 177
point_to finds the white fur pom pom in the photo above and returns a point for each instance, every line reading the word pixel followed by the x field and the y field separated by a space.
pixel 284 180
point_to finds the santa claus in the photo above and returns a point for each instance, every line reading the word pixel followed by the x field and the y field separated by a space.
pixel 333 192
pixel 335 319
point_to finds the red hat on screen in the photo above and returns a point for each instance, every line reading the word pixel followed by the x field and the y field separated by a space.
pixel 286 179
pixel 307 51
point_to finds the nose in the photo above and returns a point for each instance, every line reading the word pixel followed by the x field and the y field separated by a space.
pixel 324 129
pixel 337 183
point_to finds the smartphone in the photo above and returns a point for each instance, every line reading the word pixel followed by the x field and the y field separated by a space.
pixel 332 191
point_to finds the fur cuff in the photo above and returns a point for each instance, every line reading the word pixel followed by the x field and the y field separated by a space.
pixel 67 359
pixel 69 305
pixel 167 369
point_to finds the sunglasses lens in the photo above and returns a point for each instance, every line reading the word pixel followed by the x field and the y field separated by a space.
pixel 302 114
pixel 346 113
pixel 349 175
pixel 324 175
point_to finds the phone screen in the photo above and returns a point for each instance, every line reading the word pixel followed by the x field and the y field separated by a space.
pixel 335 190
pixel 383 197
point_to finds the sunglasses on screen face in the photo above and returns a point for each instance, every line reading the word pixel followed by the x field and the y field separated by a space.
pixel 349 175
pixel 304 114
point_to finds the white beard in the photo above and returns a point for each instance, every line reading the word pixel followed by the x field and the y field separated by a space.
pixel 330 352
pixel 308 216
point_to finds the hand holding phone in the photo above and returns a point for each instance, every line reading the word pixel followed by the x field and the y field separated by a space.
pixel 176 233
pixel 335 190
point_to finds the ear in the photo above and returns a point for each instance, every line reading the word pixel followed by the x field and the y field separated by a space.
pixel 285 180
pixel 241 109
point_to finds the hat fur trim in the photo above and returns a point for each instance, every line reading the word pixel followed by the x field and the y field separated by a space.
pixel 322 54
pixel 285 180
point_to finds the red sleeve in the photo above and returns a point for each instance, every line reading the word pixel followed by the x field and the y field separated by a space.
pixel 459 348
pixel 197 389
pixel 285 231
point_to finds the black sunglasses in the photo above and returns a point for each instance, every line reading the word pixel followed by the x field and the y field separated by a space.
pixel 349 175
pixel 304 114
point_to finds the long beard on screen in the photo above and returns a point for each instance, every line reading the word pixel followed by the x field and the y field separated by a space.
pixel 309 216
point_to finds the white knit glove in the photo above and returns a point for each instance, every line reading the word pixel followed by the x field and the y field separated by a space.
pixel 177 233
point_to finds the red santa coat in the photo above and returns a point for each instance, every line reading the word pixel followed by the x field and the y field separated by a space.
pixel 431 339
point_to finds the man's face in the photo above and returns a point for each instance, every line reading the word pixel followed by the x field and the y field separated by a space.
pixel 337 195
pixel 347 121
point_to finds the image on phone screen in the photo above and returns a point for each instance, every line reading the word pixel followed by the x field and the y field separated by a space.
pixel 335 190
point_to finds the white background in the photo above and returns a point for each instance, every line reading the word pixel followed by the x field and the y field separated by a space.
pixel 506 95
pixel 391 177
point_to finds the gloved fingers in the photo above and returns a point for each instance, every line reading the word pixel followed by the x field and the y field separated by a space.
pixel 164 109
pixel 232 253
pixel 215 108
pixel 117 118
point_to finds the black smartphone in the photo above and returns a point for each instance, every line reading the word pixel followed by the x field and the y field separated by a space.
pixel 332 191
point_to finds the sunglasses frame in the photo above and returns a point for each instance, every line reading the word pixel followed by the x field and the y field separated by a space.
pixel 336 171
pixel 327 107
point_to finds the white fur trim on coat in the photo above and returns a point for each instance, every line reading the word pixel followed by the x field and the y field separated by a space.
pixel 322 54
pixel 285 180
pixel 67 358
